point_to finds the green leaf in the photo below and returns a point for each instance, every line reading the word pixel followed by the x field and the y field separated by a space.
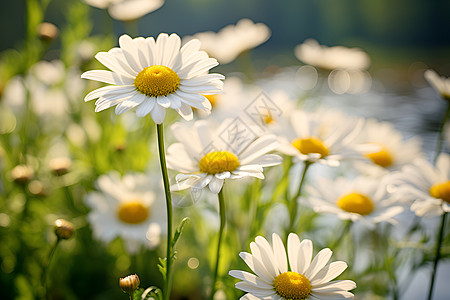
pixel 150 293
pixel 178 232
pixel 162 267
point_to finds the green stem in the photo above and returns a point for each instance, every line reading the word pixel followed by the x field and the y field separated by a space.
pixel 46 266
pixel 293 205
pixel 221 228
pixel 441 133
pixel 341 236
pixel 438 255
pixel 162 160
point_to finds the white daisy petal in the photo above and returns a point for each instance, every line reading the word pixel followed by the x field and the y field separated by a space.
pixel 318 262
pixel 145 107
pixel 280 253
pixel 158 113
pixel 293 245
pixel 215 185
pixel 305 251
pixel 329 272
pixel 107 77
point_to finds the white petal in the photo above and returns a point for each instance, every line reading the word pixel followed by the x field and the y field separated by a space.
pixel 318 263
pixel 163 101
pixel 337 285
pixel 107 77
pixel 158 114
pixel 185 112
pixel 305 251
pixel 215 185
pixel 250 278
pixel 329 272
pixel 145 107
pixel 258 148
pixel 256 267
pixel 279 252
pixel 293 245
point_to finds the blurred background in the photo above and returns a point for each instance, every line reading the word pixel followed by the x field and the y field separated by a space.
pixel 403 38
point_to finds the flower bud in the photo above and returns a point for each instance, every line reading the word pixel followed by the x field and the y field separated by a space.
pixel 60 165
pixel 129 284
pixel 63 229
pixel 47 32
pixel 21 174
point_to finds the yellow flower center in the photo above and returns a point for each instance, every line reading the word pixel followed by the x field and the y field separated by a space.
pixel 133 212
pixel 310 145
pixel 268 119
pixel 156 81
pixel 218 162
pixel 212 99
pixel 356 203
pixel 441 191
pixel 292 286
pixel 381 158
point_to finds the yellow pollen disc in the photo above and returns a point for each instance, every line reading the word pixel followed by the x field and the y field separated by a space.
pixel 441 191
pixel 381 158
pixel 268 119
pixel 218 162
pixel 292 285
pixel 310 145
pixel 156 81
pixel 355 203
pixel 212 99
pixel 133 213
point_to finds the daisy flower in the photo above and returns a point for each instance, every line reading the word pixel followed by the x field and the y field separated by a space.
pixel 127 207
pixel 385 148
pixel 323 136
pixel 127 10
pixel 305 278
pixel 206 156
pixel 232 40
pixel 152 76
pixel 440 83
pixel 425 187
pixel 331 58
pixel 362 198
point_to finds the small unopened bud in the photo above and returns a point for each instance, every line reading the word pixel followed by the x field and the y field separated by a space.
pixel 60 165
pixel 21 174
pixel 63 229
pixel 47 32
pixel 129 284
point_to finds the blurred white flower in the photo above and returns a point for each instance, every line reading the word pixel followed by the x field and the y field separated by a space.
pixel 152 76
pixel 425 187
pixel 440 83
pixel 127 10
pixel 207 156
pixel 128 207
pixel 330 58
pixel 386 148
pixel 362 198
pixel 232 40
pixel 251 104
pixel 305 278
pixel 323 136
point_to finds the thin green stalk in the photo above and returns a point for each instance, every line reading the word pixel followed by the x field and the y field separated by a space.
pixel 344 231
pixel 438 255
pixel 444 215
pixel 293 205
pixel 221 228
pixel 441 133
pixel 46 266
pixel 162 160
